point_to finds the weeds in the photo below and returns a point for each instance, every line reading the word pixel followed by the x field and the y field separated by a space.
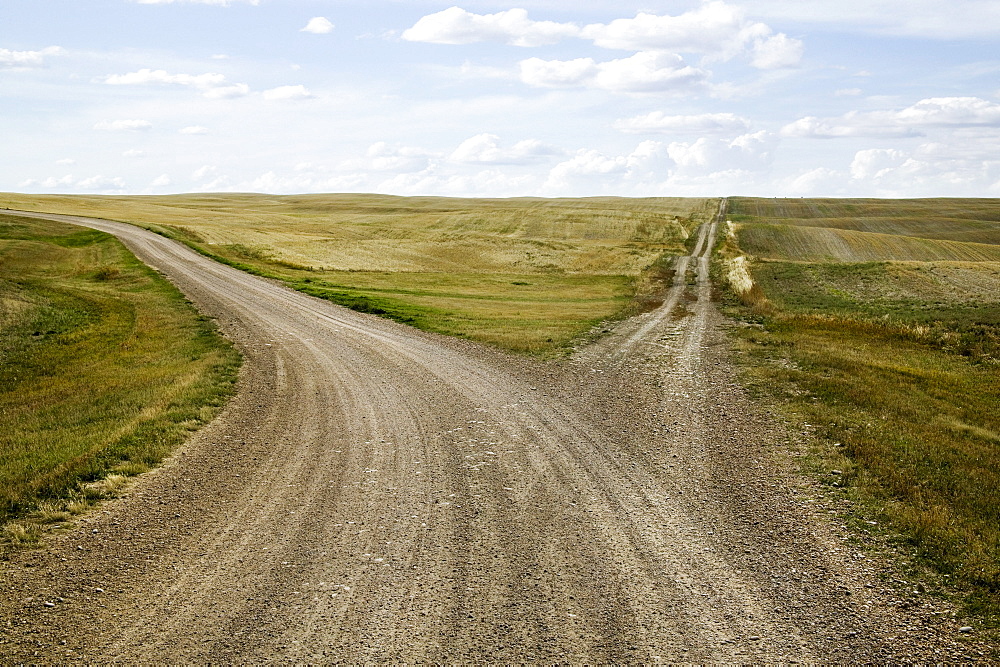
pixel 107 273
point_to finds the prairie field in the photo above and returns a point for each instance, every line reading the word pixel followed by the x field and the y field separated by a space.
pixel 104 368
pixel 888 345
pixel 528 275
pixel 865 230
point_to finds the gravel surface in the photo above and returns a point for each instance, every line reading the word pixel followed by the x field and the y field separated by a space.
pixel 378 494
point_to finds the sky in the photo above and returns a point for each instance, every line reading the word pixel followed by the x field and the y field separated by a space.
pixel 884 98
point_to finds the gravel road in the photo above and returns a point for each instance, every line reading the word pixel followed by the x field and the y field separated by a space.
pixel 378 494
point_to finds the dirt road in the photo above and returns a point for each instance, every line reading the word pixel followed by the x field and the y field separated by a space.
pixel 378 494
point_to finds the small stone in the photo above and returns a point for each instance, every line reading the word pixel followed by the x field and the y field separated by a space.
pixel 754 638
pixel 836 472
pixel 965 628
pixel 50 604
pixel 98 590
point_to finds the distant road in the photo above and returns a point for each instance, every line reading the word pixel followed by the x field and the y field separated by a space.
pixel 378 494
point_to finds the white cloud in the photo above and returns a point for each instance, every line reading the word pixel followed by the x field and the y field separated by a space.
pixel 849 125
pixel 486 149
pixel 271 181
pixel 457 26
pixel 915 120
pixel 133 125
pixel 66 161
pixel 49 183
pixel 160 181
pixel 484 183
pixel 555 73
pixel 648 72
pixel 586 162
pixel 101 183
pixel 953 168
pixel 875 162
pixel 717 30
pixel 288 93
pixel 211 84
pixel 203 172
pixel 382 156
pixel 659 122
pixel 54 182
pixel 134 153
pixel 818 182
pixel 193 129
pixel 26 59
pixel 318 25
pixel 747 152
pixel 595 172
pixel 776 52
pixel 643 72
pixel 952 111
pixel 150 76
pixel 934 168
pixel 710 28
pixel 847 92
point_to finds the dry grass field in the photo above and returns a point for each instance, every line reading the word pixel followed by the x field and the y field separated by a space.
pixel 864 230
pixel 526 274
pixel 878 323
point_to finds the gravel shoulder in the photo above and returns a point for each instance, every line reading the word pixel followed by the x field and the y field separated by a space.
pixel 378 494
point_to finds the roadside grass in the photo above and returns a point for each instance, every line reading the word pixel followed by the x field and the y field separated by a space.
pixel 896 368
pixel 528 275
pixel 104 369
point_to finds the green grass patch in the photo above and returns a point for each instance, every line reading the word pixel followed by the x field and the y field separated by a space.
pixel 897 367
pixel 104 369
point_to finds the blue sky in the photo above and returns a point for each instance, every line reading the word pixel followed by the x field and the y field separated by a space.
pixel 672 98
